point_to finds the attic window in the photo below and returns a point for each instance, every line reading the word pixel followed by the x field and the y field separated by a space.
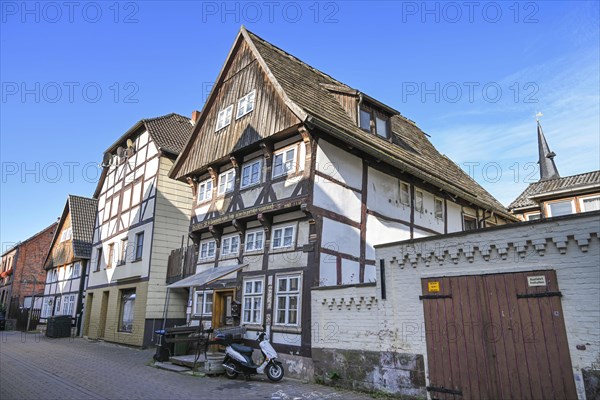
pixel 224 118
pixel 374 122
pixel 245 104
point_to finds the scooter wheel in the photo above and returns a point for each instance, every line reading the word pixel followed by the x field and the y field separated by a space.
pixel 228 373
pixel 274 372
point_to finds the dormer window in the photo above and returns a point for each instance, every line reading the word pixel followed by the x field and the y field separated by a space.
pixel 374 122
pixel 245 104
pixel 224 118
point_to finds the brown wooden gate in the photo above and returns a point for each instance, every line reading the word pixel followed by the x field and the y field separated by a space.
pixel 499 336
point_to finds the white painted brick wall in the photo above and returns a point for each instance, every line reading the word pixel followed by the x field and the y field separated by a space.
pixel 397 324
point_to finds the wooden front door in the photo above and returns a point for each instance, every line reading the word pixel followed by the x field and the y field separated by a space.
pixel 222 300
pixel 499 336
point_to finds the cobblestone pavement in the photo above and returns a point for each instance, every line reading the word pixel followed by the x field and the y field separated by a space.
pixel 36 367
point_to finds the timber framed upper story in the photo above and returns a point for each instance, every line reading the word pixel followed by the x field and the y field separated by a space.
pixel 138 203
pixel 287 154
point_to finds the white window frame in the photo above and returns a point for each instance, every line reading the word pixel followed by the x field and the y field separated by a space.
pixel 207 243
pixel 549 206
pixel 293 162
pixel 68 303
pixel 419 201
pixel 282 229
pixel 66 234
pixel 255 310
pixel 76 269
pixel 583 199
pixel 252 240
pixel 248 166
pixel 224 117
pixel 436 201
pixel 205 295
pixel 287 294
pixel 539 214
pixel 245 105
pixel 227 245
pixel 404 195
pixel 204 193
pixel 229 177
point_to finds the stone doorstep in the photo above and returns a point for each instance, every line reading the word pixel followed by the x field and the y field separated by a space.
pixel 170 367
pixel 188 360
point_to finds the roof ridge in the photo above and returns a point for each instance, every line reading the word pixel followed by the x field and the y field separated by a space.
pixel 163 117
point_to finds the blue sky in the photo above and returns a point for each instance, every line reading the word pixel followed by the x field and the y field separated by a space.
pixel 472 75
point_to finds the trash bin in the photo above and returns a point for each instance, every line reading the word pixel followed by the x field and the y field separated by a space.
pixel 164 350
pixel 59 326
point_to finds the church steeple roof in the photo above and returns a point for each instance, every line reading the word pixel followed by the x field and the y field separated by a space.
pixel 546 157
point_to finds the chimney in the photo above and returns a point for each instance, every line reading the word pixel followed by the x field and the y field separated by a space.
pixel 195 116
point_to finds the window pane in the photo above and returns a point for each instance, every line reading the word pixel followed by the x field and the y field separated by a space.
pixel 278 165
pixel 282 285
pixel 248 287
pixel 591 204
pixel 294 284
pixel 561 208
pixel 258 287
pixel 381 127
pixel 365 120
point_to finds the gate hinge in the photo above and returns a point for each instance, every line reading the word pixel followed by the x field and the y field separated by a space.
pixel 443 390
pixel 435 296
pixel 544 294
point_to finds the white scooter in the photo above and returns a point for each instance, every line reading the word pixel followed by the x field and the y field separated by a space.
pixel 238 359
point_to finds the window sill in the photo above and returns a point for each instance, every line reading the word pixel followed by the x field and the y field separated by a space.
pixel 250 186
pixel 203 202
pixel 136 260
pixel 228 257
pixel 290 249
pixel 282 178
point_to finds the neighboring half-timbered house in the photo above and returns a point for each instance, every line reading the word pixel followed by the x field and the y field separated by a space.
pixel 67 263
pixel 142 215
pixel 296 176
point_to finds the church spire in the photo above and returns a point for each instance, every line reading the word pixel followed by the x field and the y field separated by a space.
pixel 546 157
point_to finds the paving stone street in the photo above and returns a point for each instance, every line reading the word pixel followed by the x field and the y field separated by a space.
pixel 36 367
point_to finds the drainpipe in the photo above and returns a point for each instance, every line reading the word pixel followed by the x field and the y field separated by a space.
pixel 360 100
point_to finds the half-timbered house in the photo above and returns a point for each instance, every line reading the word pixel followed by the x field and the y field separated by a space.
pixel 296 176
pixel 67 263
pixel 142 215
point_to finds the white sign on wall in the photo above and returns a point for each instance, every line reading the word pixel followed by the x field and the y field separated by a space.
pixel 537 280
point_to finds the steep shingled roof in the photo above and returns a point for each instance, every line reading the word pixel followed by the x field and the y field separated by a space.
pixel 573 182
pixel 83 217
pixel 307 88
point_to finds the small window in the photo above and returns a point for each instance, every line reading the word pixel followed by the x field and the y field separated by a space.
pixel 203 304
pixel 252 301
pixel 254 241
pixel 470 223
pixel 123 251
pixel 251 173
pixel 284 162
pixel 439 208
pixel 365 120
pixel 139 246
pixel 282 237
pixel 419 201
pixel 205 190
pixel 245 104
pixel 230 245
pixel 404 193
pixel 77 270
pixel 111 255
pixel 287 300
pixel 590 204
pixel 224 118
pixel 127 310
pixel 207 249
pixel 560 208
pixel 226 181
pixel 534 217
pixel 381 127
pixel 98 259
pixel 67 234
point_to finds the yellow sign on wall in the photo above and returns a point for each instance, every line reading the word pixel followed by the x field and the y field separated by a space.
pixel 433 286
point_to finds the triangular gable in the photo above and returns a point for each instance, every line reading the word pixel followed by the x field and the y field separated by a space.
pixel 59 252
pixel 203 134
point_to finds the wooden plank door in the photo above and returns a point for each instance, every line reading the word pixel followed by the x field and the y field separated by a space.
pixel 499 336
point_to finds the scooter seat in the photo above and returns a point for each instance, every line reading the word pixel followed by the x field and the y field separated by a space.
pixel 240 348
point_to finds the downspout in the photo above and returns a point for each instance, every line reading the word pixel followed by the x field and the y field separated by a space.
pixel 360 101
